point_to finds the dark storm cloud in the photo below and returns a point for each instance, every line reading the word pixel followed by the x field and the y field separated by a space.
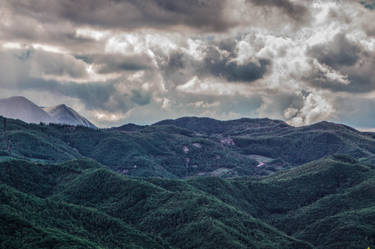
pixel 339 52
pixel 25 29
pixel 225 67
pixel 201 15
pixel 128 14
pixel 229 45
pixel 247 72
pixel 296 11
pixel 187 57
pixel 181 67
pixel 348 59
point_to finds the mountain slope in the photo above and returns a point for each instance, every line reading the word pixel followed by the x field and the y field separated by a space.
pixel 277 145
pixel 63 114
pixel 24 224
pixel 175 152
pixel 209 126
pixel 327 203
pixel 23 109
pixel 93 199
pixel 156 151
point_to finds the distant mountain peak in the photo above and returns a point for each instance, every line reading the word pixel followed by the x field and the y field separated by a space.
pixel 19 98
pixel 62 106
pixel 19 107
pixel 59 108
pixel 64 114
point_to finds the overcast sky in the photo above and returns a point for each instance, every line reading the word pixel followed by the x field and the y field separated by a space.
pixel 120 61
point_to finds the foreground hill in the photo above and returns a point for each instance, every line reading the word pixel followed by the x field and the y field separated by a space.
pixel 324 204
pixel 89 206
pixel 179 149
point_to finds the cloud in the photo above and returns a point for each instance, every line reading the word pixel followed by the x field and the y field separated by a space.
pixel 315 108
pixel 180 67
pixel 347 60
pixel 297 108
pixel 128 14
pixel 102 96
pixel 110 63
pixel 18 63
pixel 222 66
pixel 337 53
pixel 211 88
pixel 296 11
pixel 30 69
pixel 142 61
pixel 22 29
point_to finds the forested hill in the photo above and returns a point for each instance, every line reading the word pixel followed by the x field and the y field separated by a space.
pixel 248 183
pixel 324 204
pixel 188 146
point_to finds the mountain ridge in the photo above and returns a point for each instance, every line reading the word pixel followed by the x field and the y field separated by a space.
pixel 245 147
pixel 19 107
pixel 328 203
pixel 252 183
pixel 64 114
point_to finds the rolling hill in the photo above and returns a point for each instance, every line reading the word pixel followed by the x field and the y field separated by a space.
pixel 248 183
pixel 324 204
pixel 185 148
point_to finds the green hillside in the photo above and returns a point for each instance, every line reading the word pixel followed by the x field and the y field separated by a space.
pixel 176 184
pixel 151 152
pixel 329 203
pixel 324 204
pixel 187 147
pixel 85 204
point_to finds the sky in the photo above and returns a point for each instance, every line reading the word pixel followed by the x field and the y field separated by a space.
pixel 141 61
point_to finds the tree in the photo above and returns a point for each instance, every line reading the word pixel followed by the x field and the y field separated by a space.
pixel 4 125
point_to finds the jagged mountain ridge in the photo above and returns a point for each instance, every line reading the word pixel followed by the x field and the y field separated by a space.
pixel 19 107
pixel 63 114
